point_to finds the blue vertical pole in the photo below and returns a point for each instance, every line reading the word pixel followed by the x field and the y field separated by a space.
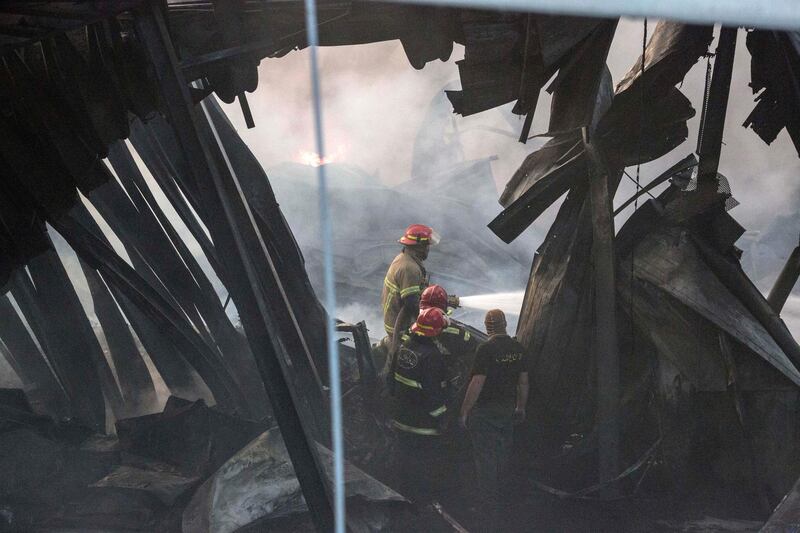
pixel 330 290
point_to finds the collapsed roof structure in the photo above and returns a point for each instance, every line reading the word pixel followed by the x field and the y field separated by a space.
pixel 676 336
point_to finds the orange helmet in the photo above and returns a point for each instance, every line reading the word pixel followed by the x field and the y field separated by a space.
pixel 430 322
pixel 433 296
pixel 419 234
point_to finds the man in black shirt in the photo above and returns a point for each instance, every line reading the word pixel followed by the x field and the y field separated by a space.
pixel 495 399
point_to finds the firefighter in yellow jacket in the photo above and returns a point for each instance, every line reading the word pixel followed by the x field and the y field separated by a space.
pixel 404 282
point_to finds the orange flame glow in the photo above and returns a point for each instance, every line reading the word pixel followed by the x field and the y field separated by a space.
pixel 312 159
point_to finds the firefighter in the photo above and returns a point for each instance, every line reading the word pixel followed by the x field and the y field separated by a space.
pixel 456 343
pixel 418 418
pixel 496 398
pixel 402 286
pixel 454 339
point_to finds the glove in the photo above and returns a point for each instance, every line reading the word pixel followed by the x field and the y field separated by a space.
pixel 452 301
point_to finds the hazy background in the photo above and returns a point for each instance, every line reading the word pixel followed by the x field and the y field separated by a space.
pixel 377 108
pixel 386 123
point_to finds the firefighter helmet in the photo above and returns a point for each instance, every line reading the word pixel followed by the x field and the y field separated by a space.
pixel 430 322
pixel 433 296
pixel 419 234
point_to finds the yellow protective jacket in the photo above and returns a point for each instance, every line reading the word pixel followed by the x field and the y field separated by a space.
pixel 406 277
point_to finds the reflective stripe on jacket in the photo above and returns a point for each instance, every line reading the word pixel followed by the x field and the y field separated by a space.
pixel 421 387
pixel 406 277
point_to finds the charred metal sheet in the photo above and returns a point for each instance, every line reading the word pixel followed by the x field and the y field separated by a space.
pixel 556 303
pixel 278 237
pixel 786 516
pixel 49 119
pixel 775 73
pixel 582 90
pixel 146 227
pixel 35 176
pixel 146 238
pixel 510 56
pixel 68 329
pixel 663 128
pixel 64 339
pixel 668 259
pixel 683 339
pixel 179 376
pixel 258 294
pixel 166 486
pixel 550 178
pixel 259 482
pixel 671 51
pixel 734 278
pixel 188 435
pixel 154 144
pixel 87 89
pixel 188 284
pixel 491 69
pixel 429 35
pixel 117 272
pixel 234 77
pixel 40 384
pixel 22 231
pixel 629 133
pixel 556 153
pixel 45 19
pixel 135 383
pixel 642 134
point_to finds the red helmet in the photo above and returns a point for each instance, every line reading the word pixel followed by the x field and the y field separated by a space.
pixel 430 322
pixel 419 234
pixel 433 296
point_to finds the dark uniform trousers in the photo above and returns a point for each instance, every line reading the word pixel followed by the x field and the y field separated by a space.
pixel 491 430
pixel 421 472
pixel 420 409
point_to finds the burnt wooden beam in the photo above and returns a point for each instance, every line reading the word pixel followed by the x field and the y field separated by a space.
pixel 248 115
pixel 240 251
pixel 711 129
pixel 786 281
pixel 606 348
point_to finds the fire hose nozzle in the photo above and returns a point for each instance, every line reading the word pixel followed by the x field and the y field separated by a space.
pixel 452 301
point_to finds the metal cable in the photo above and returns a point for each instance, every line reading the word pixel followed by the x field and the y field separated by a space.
pixel 638 189
pixel 706 92
pixel 337 435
